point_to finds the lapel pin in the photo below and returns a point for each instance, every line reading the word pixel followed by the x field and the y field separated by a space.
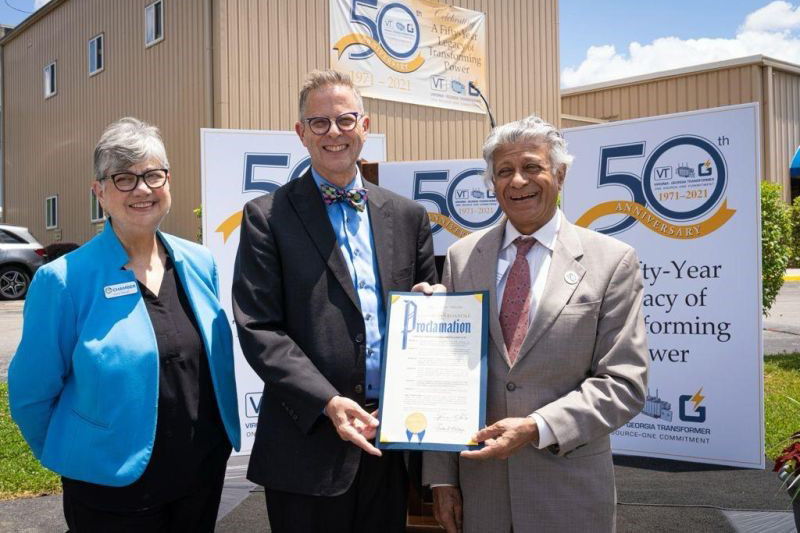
pixel 571 277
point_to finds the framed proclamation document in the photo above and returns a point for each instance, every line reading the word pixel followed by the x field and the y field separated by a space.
pixel 433 376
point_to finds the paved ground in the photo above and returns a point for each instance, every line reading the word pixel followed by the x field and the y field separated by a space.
pixel 10 333
pixel 44 514
pixel 782 326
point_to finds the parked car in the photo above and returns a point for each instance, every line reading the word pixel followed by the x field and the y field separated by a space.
pixel 20 256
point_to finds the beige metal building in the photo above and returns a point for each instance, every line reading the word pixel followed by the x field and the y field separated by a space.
pixel 185 65
pixel 774 84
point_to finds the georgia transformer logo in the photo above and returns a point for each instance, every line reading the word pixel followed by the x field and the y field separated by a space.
pixel 680 193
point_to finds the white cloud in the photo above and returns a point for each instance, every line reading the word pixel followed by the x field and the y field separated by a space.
pixel 777 15
pixel 39 3
pixel 773 30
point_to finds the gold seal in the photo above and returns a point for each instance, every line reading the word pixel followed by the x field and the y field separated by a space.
pixel 416 423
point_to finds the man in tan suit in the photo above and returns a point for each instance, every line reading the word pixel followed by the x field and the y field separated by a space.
pixel 567 355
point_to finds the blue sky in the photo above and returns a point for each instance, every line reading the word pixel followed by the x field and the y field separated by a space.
pixel 618 22
pixel 11 10
pixel 611 39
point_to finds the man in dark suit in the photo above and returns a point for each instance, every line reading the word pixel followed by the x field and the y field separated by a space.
pixel 316 260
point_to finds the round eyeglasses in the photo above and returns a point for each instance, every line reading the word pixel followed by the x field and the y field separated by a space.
pixel 322 125
pixel 128 181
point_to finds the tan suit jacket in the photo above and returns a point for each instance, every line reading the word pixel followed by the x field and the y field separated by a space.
pixel 582 367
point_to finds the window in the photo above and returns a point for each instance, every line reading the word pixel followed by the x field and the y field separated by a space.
pixel 154 23
pixel 96 54
pixel 50 80
pixel 51 212
pixel 6 237
pixel 96 210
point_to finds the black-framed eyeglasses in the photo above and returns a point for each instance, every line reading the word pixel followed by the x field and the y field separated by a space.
pixel 322 125
pixel 128 181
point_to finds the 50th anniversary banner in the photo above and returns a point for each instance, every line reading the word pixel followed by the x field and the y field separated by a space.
pixel 683 190
pixel 414 51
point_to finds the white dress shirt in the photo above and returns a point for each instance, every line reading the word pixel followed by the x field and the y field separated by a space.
pixel 539 257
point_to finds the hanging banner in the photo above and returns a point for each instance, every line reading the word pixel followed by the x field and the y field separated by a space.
pixel 415 51
pixel 683 190
pixel 237 166
pixel 453 192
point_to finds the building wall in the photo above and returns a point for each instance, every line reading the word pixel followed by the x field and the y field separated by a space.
pixel 260 52
pixel 49 142
pixel 254 90
pixel 786 121
pixel 777 92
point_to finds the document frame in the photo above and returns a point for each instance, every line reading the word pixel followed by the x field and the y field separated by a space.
pixel 387 441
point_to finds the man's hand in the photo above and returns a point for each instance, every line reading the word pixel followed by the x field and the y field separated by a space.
pixel 427 288
pixel 503 438
pixel 352 423
pixel 447 508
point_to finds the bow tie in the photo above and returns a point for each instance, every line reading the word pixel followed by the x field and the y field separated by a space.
pixel 356 198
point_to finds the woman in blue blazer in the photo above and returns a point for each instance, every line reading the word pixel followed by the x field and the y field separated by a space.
pixel 123 382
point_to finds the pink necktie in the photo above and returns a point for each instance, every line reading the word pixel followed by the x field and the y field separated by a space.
pixel 516 304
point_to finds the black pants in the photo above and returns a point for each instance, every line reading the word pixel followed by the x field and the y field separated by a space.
pixel 376 501
pixel 195 512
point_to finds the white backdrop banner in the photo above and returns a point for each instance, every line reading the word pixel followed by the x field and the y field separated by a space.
pixel 237 166
pixel 683 190
pixel 415 51
pixel 453 192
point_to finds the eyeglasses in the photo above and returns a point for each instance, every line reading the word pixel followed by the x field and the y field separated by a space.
pixel 322 125
pixel 127 181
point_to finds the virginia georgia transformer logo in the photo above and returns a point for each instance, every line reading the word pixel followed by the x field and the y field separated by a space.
pixel 680 193
pixel 392 35
pixel 467 205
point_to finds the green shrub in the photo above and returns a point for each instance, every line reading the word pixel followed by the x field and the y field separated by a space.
pixel 794 256
pixel 198 212
pixel 775 238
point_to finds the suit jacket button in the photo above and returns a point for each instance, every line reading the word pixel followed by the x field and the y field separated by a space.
pixel 358 388
pixel 359 338
pixel 511 386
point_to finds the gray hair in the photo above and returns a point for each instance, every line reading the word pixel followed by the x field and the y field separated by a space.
pixel 317 79
pixel 126 142
pixel 531 129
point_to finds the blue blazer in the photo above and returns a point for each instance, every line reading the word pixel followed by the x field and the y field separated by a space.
pixel 83 384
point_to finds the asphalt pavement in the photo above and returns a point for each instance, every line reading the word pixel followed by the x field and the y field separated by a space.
pixel 10 333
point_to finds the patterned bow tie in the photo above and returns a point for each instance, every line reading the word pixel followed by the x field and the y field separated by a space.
pixel 356 198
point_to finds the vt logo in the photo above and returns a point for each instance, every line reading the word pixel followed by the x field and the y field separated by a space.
pixel 252 406
pixel 663 173
pixel 699 415
pixel 438 83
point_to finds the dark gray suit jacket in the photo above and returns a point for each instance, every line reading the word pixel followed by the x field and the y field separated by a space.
pixel 301 328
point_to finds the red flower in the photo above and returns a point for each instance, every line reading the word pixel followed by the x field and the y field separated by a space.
pixel 790 453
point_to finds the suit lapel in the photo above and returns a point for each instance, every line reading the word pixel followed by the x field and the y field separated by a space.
pixel 381 221
pixel 557 290
pixel 308 204
pixel 485 268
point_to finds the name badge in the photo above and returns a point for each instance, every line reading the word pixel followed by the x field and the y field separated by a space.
pixel 120 289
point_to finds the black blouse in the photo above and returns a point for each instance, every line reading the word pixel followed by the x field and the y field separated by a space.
pixel 191 445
